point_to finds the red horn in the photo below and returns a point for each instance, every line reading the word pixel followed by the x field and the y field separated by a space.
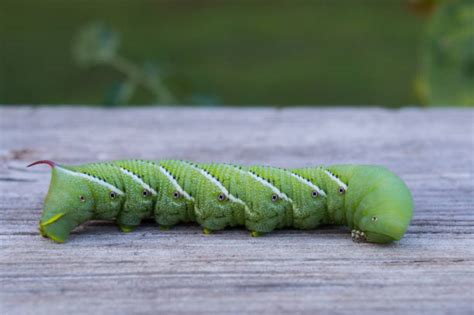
pixel 49 162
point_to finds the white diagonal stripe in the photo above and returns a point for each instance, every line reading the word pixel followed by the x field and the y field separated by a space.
pixel 309 183
pixel 334 178
pixel 174 182
pixel 217 183
pixel 278 192
pixel 92 179
pixel 138 180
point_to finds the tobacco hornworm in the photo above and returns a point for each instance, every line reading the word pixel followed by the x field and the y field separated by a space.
pixel 370 200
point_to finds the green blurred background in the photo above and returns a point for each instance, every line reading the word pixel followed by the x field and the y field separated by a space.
pixel 321 52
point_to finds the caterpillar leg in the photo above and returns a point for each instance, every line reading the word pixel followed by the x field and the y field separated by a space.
pixel 256 234
pixel 167 217
pixel 127 228
pixel 260 221
pixel 207 231
pixel 358 236
pixel 214 219
pixel 128 222
pixel 213 224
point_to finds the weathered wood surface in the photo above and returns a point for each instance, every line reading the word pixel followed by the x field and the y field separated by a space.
pixel 100 270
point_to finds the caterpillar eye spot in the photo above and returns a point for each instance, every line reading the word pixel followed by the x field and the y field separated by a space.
pixel 341 190
pixel 82 198
pixel 222 197
pixel 374 219
pixel 176 194
pixel 146 193
pixel 112 195
pixel 274 197
pixel 314 194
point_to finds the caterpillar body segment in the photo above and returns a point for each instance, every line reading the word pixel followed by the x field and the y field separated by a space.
pixel 304 205
pixel 214 207
pixel 236 191
pixel 370 200
pixel 334 189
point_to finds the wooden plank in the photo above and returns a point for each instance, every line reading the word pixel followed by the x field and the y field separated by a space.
pixel 101 270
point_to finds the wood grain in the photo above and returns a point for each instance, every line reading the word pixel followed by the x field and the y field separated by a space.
pixel 103 271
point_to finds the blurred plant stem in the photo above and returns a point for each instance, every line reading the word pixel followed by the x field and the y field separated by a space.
pixel 138 76
pixel 96 44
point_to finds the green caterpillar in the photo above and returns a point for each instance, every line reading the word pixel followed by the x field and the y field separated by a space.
pixel 373 202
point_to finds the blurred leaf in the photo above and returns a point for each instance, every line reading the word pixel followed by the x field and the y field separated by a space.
pixel 95 43
pixel 448 55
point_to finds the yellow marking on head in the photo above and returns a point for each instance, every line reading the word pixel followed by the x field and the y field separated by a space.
pixel 52 220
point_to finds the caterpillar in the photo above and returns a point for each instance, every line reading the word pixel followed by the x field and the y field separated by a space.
pixel 373 202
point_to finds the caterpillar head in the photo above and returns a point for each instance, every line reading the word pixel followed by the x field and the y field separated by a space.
pixel 68 204
pixel 382 204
